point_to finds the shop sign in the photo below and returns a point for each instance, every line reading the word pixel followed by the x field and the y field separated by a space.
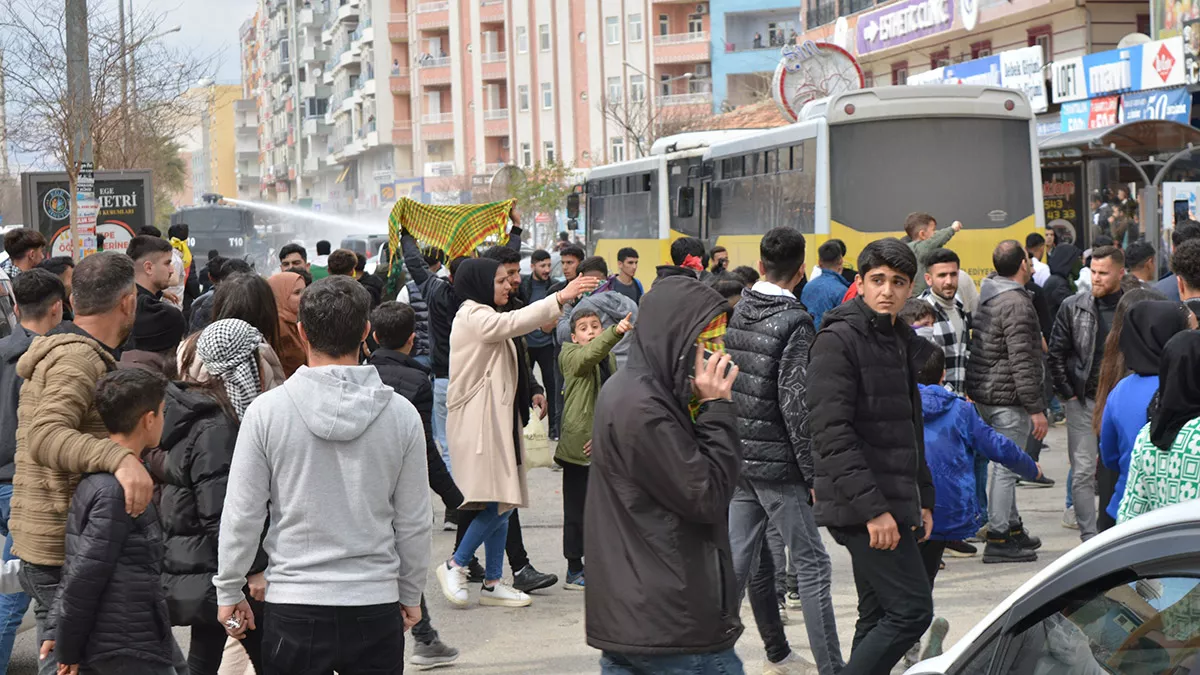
pixel 903 22
pixel 1062 195
pixel 1153 65
pixel 1093 114
pixel 1168 104
pixel 1019 69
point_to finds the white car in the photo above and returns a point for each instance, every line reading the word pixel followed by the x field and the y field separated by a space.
pixel 1126 602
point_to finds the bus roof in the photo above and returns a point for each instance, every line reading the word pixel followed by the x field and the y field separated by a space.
pixel 763 140
pixel 931 100
pixel 692 140
pixel 624 168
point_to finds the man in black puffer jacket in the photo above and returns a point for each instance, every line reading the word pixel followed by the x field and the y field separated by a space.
pixel 769 338
pixel 873 487
pixel 1005 380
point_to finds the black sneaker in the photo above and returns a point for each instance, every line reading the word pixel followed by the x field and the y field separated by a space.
pixel 475 572
pixel 961 549
pixel 1002 549
pixel 1042 482
pixel 1022 538
pixel 529 579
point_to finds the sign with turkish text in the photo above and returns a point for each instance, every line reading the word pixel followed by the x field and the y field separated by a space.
pixel 1167 104
pixel 1074 116
pixel 1153 65
pixel 903 22
pixel 1019 69
pixel 1104 112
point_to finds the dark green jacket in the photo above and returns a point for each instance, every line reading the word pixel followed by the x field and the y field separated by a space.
pixel 580 366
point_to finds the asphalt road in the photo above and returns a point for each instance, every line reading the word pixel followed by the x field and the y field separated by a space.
pixel 548 637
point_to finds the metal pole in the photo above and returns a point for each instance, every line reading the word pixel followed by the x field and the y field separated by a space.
pixel 79 93
pixel 1151 218
pixel 3 125
pixel 132 63
pixel 124 82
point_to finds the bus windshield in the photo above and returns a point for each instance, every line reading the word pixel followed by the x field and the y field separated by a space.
pixel 623 207
pixel 977 170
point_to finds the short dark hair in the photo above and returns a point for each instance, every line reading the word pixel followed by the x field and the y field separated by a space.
pixel 1034 240
pixel 939 256
pixel 342 262
pixel 717 249
pixel 781 251
pixel 144 245
pixel 840 244
pixel 583 314
pixel 289 249
pixel 1008 257
pixel 915 310
pixel 36 291
pixel 393 323
pixel 573 251
pixel 1185 263
pixel 303 274
pixel 917 221
pixel 214 268
pixel 1184 231
pixel 503 255
pixel 323 247
pixel 454 264
pixel 213 254
pixel 888 252
pixel 1102 240
pixel 19 241
pixel 59 264
pixel 934 369
pixel 360 262
pixel 728 285
pixel 593 264
pixel 1137 254
pixel 102 280
pixel 539 255
pixel 334 313
pixel 229 267
pixel 683 247
pixel 627 252
pixel 829 252
pixel 178 231
pixel 124 396
pixel 149 231
pixel 1106 252
pixel 248 297
pixel 433 256
pixel 747 274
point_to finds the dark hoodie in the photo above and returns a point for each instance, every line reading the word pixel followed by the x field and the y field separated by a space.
pixel 660 574
pixel 12 348
pixel 1065 262
pixel 665 271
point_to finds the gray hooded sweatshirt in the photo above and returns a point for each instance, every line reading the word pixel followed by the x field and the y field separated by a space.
pixel 612 307
pixel 338 459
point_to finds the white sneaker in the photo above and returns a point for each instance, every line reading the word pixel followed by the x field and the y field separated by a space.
pixel 453 581
pixel 792 665
pixel 1069 521
pixel 503 595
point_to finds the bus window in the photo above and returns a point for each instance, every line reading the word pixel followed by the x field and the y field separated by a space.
pixel 624 214
pixel 771 162
pixel 797 158
pixel 754 203
pixel 678 172
pixel 645 182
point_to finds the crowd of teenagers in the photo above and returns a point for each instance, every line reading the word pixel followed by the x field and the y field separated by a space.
pixel 196 445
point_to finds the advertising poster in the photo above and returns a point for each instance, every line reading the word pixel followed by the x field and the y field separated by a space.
pixel 1074 115
pixel 1019 69
pixel 1104 112
pixel 1191 51
pixel 120 208
pixel 1174 105
pixel 1062 196
pixel 903 22
pixel 1169 16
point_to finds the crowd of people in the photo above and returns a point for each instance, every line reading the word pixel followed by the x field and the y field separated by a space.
pixel 253 457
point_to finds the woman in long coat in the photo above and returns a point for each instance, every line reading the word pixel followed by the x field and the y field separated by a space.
pixel 486 441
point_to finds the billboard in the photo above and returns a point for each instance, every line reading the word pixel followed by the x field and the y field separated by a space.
pixel 124 198
pixel 1019 69
pixel 1153 65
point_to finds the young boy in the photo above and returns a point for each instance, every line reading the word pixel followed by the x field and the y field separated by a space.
pixel 918 314
pixel 111 611
pixel 924 238
pixel 585 362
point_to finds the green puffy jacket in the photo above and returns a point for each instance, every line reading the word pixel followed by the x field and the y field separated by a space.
pixel 580 366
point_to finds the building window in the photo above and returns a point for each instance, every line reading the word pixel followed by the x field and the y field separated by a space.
pixel 1041 36
pixel 548 151
pixel 635 28
pixel 868 80
pixel 522 40
pixel 981 49
pixel 1143 24
pixel 637 88
pixel 665 85
pixel 939 59
pixel 616 149
pixel 820 12
pixel 523 97
pixel 695 23
pixel 544 37
pixel 612 29
pixel 547 96
pixel 526 154
pixel 900 73
pixel 664 24
pixel 614 90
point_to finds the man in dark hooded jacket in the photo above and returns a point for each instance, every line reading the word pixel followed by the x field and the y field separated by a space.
pixel 1065 262
pixel 661 591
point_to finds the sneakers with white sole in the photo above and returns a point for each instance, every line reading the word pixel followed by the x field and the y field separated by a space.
pixel 503 595
pixel 436 653
pixel 453 581
pixel 792 665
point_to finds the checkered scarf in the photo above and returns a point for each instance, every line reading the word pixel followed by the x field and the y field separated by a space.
pixel 954 345
pixel 229 350
pixel 456 229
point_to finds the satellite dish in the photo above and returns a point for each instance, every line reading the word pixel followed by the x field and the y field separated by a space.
pixel 1133 39
pixel 811 71
pixel 507 177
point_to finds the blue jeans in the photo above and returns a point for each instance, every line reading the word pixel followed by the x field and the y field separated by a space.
pixel 716 663
pixel 490 528
pixel 424 360
pixel 1070 484
pixel 14 605
pixel 440 387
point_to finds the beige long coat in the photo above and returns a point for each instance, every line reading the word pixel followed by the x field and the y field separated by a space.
pixel 481 399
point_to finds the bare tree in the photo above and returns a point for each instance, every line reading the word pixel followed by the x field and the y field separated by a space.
pixel 645 121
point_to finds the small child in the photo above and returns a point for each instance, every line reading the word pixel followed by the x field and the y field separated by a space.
pixel 585 363
pixel 918 314
pixel 111 610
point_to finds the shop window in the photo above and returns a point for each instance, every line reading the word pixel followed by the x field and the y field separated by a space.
pixel 1042 36
pixel 900 73
pixel 939 59
pixel 981 49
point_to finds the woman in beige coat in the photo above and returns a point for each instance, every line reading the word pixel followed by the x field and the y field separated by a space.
pixel 486 440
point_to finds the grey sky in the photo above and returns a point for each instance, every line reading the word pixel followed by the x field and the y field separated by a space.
pixel 210 26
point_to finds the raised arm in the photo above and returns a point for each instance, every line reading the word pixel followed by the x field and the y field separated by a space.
pixel 493 326
pixel 413 260
pixel 579 361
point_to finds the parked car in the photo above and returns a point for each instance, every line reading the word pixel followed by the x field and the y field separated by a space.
pixel 1126 602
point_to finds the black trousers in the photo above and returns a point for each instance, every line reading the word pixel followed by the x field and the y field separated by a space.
pixel 208 646
pixel 518 557
pixel 895 601
pixel 1106 487
pixel 575 480
pixel 424 632
pixel 931 557
pixel 543 357
pixel 315 640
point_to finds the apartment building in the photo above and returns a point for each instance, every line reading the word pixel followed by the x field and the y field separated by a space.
pixel 247 155
pixel 360 101
pixel 207 142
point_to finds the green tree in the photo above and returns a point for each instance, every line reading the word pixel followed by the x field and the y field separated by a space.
pixel 543 189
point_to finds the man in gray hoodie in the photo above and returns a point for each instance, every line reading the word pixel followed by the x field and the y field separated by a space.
pixel 337 458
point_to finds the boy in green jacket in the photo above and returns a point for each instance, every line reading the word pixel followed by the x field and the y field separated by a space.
pixel 923 239
pixel 585 363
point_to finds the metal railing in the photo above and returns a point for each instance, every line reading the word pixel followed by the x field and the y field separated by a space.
pixel 494 57
pixel 433 62
pixel 487 3
pixel 441 118
pixel 432 7
pixel 496 114
pixel 397 71
pixel 681 38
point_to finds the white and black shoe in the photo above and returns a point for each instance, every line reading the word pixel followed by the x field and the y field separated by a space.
pixel 453 581
pixel 503 595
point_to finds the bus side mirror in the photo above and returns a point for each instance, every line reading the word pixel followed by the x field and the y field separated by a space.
pixel 685 202
pixel 573 205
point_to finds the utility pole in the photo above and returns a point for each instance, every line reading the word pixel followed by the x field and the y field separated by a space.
pixel 79 95
pixel 124 82
pixel 3 126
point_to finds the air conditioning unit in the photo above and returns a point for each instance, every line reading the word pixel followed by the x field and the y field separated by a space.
pixel 702 8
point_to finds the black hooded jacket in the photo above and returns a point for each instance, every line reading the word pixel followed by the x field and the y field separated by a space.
pixel 12 348
pixel 660 573
pixel 1062 273
pixel 868 435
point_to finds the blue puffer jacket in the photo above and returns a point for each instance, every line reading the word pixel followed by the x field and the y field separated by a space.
pixel 954 433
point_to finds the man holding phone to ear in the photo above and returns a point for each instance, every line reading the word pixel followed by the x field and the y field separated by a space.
pixel 873 488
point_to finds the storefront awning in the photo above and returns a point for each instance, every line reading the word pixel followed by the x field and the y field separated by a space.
pixel 1139 139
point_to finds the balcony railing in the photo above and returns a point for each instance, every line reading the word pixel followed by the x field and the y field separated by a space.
pixel 441 118
pixel 681 38
pixel 488 3
pixel 496 114
pixel 433 62
pixel 397 71
pixel 494 57
pixel 432 7
pixel 685 99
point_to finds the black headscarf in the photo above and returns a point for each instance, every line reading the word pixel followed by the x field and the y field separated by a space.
pixel 1178 394
pixel 1148 327
pixel 476 280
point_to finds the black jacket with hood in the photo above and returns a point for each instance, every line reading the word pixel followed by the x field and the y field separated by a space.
pixel 1063 263
pixel 1005 367
pixel 12 348
pixel 865 416
pixel 660 573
